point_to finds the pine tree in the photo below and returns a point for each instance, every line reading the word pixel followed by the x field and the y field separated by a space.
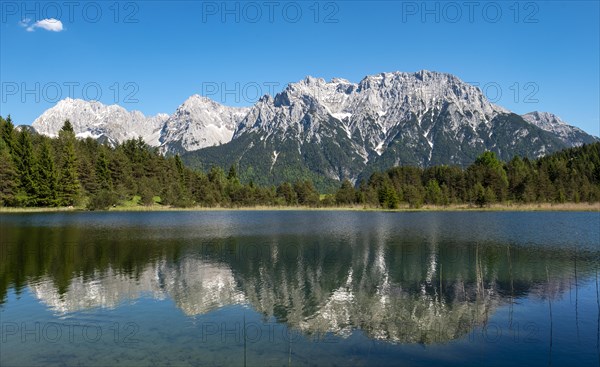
pixel 86 173
pixel 517 174
pixel 46 176
pixel 489 171
pixel 306 193
pixel 414 196
pixel 433 193
pixel 7 133
pixel 180 170
pixel 391 198
pixel 9 179
pixel 121 172
pixel 68 127
pixel 479 195
pixel 287 193
pixel 103 176
pixel 346 194
pixel 232 175
pixel 490 196
pixel 26 168
pixel 69 187
pixel 217 177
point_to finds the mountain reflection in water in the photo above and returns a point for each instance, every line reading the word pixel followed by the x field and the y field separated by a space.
pixel 397 278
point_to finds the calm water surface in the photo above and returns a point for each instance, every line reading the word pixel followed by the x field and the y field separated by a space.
pixel 299 288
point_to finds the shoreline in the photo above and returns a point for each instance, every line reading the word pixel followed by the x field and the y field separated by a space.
pixel 536 207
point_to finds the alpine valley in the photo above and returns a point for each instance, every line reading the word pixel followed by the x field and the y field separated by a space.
pixel 329 131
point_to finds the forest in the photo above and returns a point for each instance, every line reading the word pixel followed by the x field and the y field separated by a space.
pixel 63 171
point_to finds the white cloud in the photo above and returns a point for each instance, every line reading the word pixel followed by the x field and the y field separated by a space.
pixel 50 24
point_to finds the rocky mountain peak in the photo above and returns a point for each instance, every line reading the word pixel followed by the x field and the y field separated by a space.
pixel 339 129
pixel 571 135
pixel 96 120
pixel 393 118
pixel 198 123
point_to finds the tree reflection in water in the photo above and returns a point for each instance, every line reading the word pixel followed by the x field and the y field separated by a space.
pixel 396 286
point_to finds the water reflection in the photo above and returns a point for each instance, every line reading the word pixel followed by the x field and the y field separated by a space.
pixel 396 278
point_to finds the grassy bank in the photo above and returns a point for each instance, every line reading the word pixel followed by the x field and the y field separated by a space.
pixel 426 208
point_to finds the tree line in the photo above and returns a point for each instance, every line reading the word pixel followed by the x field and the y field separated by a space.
pixel 41 171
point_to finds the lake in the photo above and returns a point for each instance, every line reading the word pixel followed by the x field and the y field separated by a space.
pixel 278 288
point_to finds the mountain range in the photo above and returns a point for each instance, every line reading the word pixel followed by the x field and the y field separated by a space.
pixel 330 131
pixel 333 296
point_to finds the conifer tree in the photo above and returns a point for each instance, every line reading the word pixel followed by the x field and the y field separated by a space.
pixel 46 176
pixel 26 168
pixel 68 127
pixel 7 133
pixel 232 173
pixel 433 192
pixel 103 176
pixel 346 193
pixel 9 179
pixel 287 193
pixel 86 173
pixel 69 188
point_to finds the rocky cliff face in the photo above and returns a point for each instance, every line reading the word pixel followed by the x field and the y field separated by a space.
pixel 340 130
pixel 96 120
pixel 198 123
pixel 570 135
pixel 331 130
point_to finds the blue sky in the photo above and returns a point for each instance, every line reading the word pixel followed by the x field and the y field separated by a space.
pixel 152 55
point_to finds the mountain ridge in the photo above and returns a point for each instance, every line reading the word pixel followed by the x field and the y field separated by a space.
pixel 337 129
pixel 344 130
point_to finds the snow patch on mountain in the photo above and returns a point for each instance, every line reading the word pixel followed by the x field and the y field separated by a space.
pixel 198 123
pixel 373 109
pixel 571 135
pixel 94 119
pixel 422 110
